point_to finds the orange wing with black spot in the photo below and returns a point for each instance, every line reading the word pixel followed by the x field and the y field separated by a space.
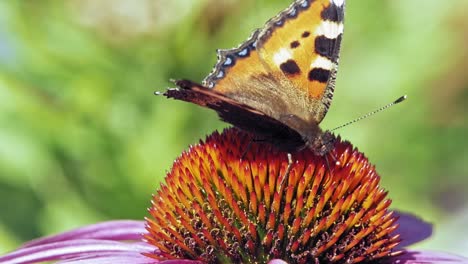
pixel 301 45
pixel 291 63
pixel 284 71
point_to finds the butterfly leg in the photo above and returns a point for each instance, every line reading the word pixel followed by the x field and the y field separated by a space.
pixel 328 164
pixel 286 173
pixel 249 146
pixel 334 158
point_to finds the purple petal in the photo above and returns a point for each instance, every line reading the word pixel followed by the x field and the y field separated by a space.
pixel 180 261
pixel 427 257
pixel 412 229
pixel 111 230
pixel 125 258
pixel 277 261
pixel 72 249
pixel 112 258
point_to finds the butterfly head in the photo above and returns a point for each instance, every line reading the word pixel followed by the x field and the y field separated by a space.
pixel 319 141
pixel 322 144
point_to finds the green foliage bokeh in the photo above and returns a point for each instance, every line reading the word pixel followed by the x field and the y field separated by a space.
pixel 83 139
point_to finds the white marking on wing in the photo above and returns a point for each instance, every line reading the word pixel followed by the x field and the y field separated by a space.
pixel 282 56
pixel 329 29
pixel 322 62
pixel 338 2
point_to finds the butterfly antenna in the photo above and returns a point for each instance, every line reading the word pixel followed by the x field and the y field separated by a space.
pixel 397 101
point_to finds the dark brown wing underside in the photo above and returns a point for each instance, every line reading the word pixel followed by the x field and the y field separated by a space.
pixel 239 115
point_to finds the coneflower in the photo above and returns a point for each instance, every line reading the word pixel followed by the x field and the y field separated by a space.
pixel 232 200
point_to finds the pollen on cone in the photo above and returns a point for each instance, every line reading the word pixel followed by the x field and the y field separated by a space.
pixel 230 199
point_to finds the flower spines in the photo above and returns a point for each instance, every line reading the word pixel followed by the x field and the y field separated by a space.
pixel 230 202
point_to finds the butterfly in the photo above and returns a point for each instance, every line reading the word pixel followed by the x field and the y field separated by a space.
pixel 279 83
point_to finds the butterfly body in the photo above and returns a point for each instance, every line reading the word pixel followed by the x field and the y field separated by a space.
pixel 279 83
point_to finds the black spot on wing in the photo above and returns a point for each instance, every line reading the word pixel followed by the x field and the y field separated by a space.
pixel 319 75
pixel 295 44
pixel 328 48
pixel 333 13
pixel 305 34
pixel 290 67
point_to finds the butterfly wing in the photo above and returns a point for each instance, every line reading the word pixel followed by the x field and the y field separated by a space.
pixel 301 45
pixel 289 66
pixel 238 114
pixel 279 83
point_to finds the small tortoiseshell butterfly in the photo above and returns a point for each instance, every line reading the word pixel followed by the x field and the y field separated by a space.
pixel 279 83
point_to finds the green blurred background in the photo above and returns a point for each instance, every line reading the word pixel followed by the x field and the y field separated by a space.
pixel 83 139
